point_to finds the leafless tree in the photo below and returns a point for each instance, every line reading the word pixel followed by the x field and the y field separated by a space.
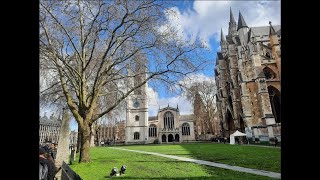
pixel 202 95
pixel 90 51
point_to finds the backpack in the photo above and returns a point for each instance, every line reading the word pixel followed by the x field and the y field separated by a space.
pixel 43 171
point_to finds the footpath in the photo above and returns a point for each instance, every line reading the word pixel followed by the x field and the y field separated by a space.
pixel 208 163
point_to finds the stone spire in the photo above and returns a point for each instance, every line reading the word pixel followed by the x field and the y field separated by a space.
pixel 223 39
pixel 241 22
pixel 231 17
pixel 232 25
pixel 223 42
pixel 271 31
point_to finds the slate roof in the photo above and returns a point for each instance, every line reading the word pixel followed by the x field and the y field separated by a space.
pixel 152 118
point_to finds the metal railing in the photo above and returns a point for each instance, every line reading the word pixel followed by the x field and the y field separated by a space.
pixel 68 174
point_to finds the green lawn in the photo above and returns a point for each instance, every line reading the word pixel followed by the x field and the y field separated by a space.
pixel 262 158
pixel 144 166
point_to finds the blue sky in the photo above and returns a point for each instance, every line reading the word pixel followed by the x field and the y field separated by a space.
pixel 204 20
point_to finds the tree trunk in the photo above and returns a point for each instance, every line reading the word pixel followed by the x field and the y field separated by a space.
pixel 85 144
pixel 78 140
pixel 92 132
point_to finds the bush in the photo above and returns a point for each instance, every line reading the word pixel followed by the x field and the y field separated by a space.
pixel 156 141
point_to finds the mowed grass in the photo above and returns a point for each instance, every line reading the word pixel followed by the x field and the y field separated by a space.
pixel 262 158
pixel 144 166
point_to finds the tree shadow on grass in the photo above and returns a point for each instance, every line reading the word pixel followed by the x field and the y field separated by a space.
pixel 159 178
pixel 157 161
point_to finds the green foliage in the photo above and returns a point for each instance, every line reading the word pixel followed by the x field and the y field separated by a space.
pixel 156 141
pixel 144 166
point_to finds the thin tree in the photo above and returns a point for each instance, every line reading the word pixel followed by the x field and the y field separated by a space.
pixel 89 51
pixel 202 95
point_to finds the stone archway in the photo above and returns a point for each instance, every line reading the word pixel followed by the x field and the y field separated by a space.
pixel 170 138
pixel 164 138
pixel 275 101
pixel 177 138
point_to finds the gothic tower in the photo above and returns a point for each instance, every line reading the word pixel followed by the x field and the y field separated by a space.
pixel 247 74
pixel 137 105
pixel 232 25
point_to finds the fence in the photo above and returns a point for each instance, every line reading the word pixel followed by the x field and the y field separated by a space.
pixel 68 174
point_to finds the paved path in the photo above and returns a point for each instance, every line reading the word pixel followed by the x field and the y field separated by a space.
pixel 208 163
pixel 279 147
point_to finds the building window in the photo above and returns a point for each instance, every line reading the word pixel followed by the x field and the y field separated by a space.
pixel 269 73
pixel 168 120
pixel 185 129
pixel 136 135
pixel 152 130
pixel 137 118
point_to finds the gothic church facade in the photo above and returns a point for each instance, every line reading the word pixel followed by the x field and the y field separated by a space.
pixel 248 76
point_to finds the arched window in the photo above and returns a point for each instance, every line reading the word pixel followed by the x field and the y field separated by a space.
pixel 269 73
pixel 152 130
pixel 136 135
pixel 275 101
pixel 268 55
pixel 185 129
pixel 168 120
pixel 137 118
pixel 230 102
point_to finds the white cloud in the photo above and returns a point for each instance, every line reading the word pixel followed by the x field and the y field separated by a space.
pixel 207 18
pixel 155 102
pixel 187 81
pixel 185 106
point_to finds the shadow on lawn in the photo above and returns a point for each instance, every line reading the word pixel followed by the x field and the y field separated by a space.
pixel 157 161
pixel 195 152
pixel 177 178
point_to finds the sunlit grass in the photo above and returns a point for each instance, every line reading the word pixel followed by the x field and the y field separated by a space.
pixel 262 158
pixel 144 166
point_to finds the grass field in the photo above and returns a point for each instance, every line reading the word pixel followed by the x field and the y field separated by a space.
pixel 262 158
pixel 143 166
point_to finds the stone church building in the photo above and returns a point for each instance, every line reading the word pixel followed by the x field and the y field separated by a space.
pixel 49 129
pixel 248 78
pixel 169 126
pixel 166 127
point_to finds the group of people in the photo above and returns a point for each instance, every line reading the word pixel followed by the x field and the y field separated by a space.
pixel 220 139
pixel 47 156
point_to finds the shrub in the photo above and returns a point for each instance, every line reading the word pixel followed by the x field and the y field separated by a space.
pixel 156 141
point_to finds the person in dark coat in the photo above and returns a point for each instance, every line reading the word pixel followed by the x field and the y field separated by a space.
pixel 50 164
pixel 53 151
pixel 46 147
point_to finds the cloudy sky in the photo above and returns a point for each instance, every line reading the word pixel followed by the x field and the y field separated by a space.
pixel 204 20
